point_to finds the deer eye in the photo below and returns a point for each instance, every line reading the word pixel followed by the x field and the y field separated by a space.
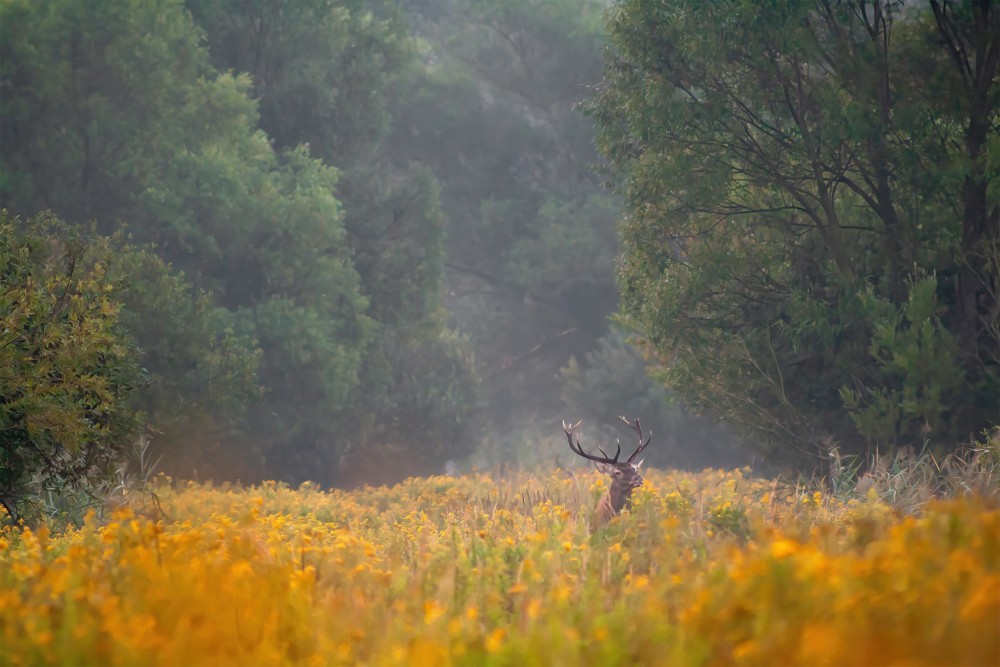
pixel 618 473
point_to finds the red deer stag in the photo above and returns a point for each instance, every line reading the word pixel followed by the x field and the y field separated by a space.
pixel 624 475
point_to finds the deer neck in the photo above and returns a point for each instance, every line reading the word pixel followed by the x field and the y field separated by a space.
pixel 619 496
pixel 616 498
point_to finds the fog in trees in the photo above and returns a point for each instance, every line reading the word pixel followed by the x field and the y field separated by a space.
pixel 350 241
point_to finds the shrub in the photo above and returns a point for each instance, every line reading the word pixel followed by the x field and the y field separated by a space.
pixel 67 369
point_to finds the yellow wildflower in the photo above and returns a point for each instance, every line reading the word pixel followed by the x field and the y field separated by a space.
pixel 432 611
pixel 495 640
pixel 783 548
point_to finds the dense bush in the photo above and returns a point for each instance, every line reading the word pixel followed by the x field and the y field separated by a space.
pixel 68 370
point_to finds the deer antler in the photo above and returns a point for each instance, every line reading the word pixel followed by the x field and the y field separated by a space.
pixel 638 429
pixel 570 430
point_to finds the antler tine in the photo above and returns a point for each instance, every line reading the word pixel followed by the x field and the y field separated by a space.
pixel 570 430
pixel 618 443
pixel 638 429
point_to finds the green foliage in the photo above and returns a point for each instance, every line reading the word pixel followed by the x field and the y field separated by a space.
pixel 93 119
pixel 68 370
pixel 195 361
pixel 916 376
pixel 202 374
pixel 318 89
pixel 321 69
pixel 418 412
pixel 174 151
pixel 295 178
pixel 807 244
pixel 396 229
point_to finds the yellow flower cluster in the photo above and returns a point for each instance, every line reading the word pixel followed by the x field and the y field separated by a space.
pixel 711 568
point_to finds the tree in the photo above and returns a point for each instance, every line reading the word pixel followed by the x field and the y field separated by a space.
pixel 68 370
pixel 317 88
pixel 96 127
pixel 201 375
pixel 809 235
pixel 321 70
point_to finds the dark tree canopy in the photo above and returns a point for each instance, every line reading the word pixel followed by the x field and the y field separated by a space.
pixel 117 113
pixel 326 75
pixel 811 242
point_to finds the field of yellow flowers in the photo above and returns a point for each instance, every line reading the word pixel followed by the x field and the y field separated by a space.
pixel 708 569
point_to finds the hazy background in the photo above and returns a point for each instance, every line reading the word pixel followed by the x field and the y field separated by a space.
pixel 390 205
pixel 353 240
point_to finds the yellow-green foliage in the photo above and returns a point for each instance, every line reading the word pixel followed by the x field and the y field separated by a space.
pixel 714 568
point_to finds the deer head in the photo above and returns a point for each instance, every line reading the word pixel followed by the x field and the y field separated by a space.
pixel 624 474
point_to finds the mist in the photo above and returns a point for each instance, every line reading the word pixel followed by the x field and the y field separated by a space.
pixel 349 243
pixel 355 247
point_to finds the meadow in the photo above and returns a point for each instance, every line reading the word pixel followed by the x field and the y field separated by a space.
pixel 713 568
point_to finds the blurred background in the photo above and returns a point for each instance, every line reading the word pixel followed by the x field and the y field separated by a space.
pixel 362 238
pixel 350 241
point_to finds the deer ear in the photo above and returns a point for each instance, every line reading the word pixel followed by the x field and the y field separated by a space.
pixel 636 465
pixel 604 468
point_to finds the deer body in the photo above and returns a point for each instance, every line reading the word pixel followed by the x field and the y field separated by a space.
pixel 624 474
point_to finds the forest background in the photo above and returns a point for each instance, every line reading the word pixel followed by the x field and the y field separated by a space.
pixel 352 240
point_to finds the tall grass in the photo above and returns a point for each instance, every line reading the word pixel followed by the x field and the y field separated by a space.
pixel 709 568
pixel 908 481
